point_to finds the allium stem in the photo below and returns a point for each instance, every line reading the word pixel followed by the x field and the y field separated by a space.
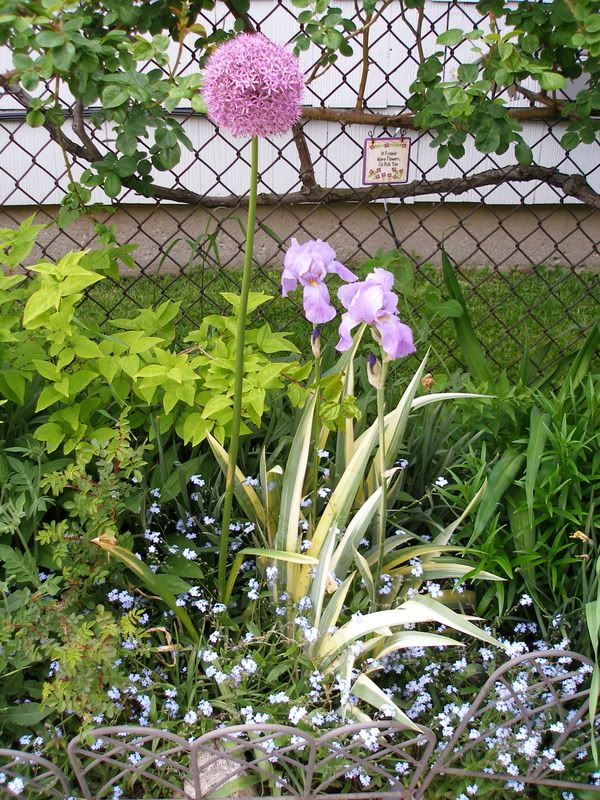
pixel 381 526
pixel 239 369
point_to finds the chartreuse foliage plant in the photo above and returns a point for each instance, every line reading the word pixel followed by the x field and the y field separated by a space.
pixel 80 380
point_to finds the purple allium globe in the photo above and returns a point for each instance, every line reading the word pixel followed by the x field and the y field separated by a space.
pixel 253 87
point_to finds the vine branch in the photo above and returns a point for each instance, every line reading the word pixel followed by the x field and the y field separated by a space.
pixel 572 185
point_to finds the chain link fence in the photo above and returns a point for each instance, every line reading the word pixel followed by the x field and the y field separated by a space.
pixel 527 254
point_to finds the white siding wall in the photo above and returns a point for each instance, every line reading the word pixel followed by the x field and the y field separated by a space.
pixel 41 180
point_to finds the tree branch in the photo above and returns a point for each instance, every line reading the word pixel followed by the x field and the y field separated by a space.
pixel 92 152
pixel 572 185
pixel 306 170
pixel 24 98
pixel 404 119
pixel 241 15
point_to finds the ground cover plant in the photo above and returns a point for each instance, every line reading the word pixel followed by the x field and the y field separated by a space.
pixel 143 636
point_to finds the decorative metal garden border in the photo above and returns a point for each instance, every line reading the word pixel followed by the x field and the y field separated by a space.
pixel 539 697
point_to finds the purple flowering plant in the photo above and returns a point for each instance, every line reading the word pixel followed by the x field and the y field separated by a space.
pixel 373 303
pixel 308 265
pixel 252 87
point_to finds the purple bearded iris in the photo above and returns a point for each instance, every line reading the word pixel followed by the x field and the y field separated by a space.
pixel 308 265
pixel 373 302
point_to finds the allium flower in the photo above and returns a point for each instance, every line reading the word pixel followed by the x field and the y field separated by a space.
pixel 308 265
pixel 252 86
pixel 373 302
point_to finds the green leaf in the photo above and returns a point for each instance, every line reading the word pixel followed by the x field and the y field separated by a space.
pixel 19 566
pixel 538 432
pixel 468 342
pixel 51 433
pixel 25 714
pixel 215 406
pixel 468 73
pixel 12 385
pixel 255 300
pixel 549 81
pixel 126 144
pixel 499 480
pixel 35 119
pixel 38 304
pixel 523 153
pixel 62 57
pixel 198 103
pixel 47 397
pixel 114 96
pixel 195 428
pixel 487 136
pixel 451 37
pixel 86 348
pixel 570 140
pixel 442 155
pixel 50 39
pixel 112 185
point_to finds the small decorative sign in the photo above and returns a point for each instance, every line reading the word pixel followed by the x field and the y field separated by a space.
pixel 385 160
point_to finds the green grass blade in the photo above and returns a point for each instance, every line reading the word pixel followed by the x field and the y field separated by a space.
pixel 355 530
pixel 538 433
pixel 321 578
pixel 406 639
pixel 580 368
pixel 366 575
pixel 471 349
pixel 263 552
pixel 364 688
pixel 333 609
pixel 444 536
pixel 286 537
pixel 500 479
pixel 340 502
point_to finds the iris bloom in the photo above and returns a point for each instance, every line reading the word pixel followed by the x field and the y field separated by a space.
pixel 308 264
pixel 373 302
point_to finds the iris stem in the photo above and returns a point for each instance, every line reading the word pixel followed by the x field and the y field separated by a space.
pixel 381 526
pixel 239 369
pixel 316 429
